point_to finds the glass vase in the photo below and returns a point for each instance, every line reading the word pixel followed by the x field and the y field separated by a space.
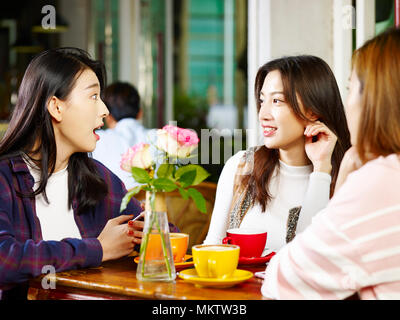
pixel 156 262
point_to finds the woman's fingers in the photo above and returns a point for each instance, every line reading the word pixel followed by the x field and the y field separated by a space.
pixel 136 225
pixel 137 237
pixel 134 230
pixel 317 128
pixel 121 219
pixel 309 129
pixel 312 129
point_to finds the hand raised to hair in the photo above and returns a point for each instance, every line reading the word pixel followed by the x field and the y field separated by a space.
pixel 320 151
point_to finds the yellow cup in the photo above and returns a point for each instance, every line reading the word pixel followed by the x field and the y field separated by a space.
pixel 179 245
pixel 215 261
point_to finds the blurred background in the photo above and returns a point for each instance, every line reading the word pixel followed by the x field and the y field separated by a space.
pixel 192 61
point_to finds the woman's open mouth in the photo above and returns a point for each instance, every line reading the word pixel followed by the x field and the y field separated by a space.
pixel 96 135
pixel 269 131
pixel 94 132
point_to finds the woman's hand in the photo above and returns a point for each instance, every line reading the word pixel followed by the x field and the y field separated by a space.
pixel 350 162
pixel 118 238
pixel 136 229
pixel 320 151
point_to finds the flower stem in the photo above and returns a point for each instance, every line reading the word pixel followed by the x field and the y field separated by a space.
pixel 143 249
pixel 164 248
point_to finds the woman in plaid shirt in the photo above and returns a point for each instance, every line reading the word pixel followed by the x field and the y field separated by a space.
pixel 58 207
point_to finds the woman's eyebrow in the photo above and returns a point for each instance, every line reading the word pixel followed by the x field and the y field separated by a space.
pixel 276 92
pixel 92 86
pixel 271 93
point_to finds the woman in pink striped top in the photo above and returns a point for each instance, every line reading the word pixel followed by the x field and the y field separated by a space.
pixel 353 245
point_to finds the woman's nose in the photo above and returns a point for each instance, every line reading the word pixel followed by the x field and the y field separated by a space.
pixel 104 110
pixel 264 112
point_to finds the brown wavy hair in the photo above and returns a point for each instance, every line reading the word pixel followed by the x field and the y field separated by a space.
pixel 377 65
pixel 311 80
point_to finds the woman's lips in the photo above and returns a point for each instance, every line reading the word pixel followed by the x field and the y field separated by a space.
pixel 269 131
pixel 94 131
pixel 96 135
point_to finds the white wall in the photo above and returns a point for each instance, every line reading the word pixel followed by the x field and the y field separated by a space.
pixel 129 27
pixel 365 21
pixel 302 27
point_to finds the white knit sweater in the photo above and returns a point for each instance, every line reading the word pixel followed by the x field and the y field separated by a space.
pixel 292 187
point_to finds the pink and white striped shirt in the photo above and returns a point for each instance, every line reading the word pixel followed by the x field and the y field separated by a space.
pixel 353 245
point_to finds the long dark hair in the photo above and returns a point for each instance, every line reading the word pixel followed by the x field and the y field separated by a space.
pixel 311 80
pixel 30 131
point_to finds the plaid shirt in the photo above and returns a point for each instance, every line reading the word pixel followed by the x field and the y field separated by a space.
pixel 23 253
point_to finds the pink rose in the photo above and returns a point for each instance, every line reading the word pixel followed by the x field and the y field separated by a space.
pixel 137 156
pixel 177 142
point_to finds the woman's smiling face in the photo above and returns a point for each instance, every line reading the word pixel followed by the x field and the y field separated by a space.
pixel 76 118
pixel 282 129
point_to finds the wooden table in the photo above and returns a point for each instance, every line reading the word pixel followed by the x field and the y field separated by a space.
pixel 116 280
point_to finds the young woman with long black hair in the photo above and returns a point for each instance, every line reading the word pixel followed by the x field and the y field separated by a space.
pixel 279 186
pixel 59 207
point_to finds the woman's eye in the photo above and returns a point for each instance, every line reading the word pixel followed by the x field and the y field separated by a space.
pixel 95 96
pixel 276 100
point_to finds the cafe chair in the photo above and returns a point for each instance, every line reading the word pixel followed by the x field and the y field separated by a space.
pixel 184 213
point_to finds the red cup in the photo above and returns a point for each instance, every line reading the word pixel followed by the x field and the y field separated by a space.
pixel 251 241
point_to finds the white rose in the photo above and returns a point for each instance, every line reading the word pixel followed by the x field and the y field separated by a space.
pixel 137 156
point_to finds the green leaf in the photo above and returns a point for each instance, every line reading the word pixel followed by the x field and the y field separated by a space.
pixel 184 193
pixel 198 199
pixel 140 175
pixel 201 173
pixel 164 184
pixel 165 170
pixel 187 178
pixel 128 196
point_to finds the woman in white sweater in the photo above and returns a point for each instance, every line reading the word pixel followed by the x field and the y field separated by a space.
pixel 279 186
